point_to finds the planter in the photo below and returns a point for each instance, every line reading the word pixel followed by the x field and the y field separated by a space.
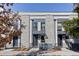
pixel 43 46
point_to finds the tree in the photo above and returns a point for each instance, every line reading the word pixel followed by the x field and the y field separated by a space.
pixel 76 9
pixel 8 24
pixel 72 27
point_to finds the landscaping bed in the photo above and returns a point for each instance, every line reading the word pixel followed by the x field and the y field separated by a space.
pixel 21 49
pixel 55 49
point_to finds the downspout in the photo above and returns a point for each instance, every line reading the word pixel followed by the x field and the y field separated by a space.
pixel 55 32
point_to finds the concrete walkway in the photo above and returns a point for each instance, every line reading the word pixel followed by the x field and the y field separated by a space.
pixel 36 52
pixel 31 52
pixel 63 52
pixel 11 52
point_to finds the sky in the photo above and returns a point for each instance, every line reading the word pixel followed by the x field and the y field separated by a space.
pixel 42 7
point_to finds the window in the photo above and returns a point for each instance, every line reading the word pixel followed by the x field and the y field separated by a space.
pixel 59 24
pixel 34 26
pixel 38 25
pixel 59 28
pixel 43 26
pixel 15 41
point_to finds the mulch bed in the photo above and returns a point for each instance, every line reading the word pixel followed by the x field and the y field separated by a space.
pixel 55 49
pixel 21 49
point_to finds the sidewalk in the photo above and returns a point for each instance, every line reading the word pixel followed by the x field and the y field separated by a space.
pixel 36 52
pixel 63 52
pixel 31 52
pixel 11 52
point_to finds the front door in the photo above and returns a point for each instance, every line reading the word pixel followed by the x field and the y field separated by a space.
pixel 15 41
pixel 35 40
pixel 38 28
pixel 60 43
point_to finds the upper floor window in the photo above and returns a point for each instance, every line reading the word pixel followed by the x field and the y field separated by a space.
pixel 43 26
pixel 59 24
pixel 38 24
pixel 34 26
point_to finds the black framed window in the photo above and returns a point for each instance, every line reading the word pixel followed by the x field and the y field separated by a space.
pixel 35 26
pixel 42 26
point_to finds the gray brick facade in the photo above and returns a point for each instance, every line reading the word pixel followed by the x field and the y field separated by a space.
pixel 50 27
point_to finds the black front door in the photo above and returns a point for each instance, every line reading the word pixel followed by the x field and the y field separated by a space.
pixel 60 43
pixel 15 41
pixel 35 40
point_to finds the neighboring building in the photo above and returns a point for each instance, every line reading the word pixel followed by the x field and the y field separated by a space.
pixel 75 5
pixel 42 27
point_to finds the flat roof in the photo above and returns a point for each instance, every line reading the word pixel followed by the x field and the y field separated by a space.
pixel 48 13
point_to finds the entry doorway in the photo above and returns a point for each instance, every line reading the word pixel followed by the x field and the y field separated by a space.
pixel 35 40
pixel 15 41
pixel 38 40
pixel 60 40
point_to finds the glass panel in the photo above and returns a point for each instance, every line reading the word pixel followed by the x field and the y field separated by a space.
pixel 59 26
pixel 43 26
pixel 38 25
pixel 34 26
pixel 15 41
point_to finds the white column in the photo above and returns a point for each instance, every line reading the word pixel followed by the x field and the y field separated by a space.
pixel 30 32
pixel 19 27
pixel 19 24
pixel 39 42
pixel 56 35
pixel 39 26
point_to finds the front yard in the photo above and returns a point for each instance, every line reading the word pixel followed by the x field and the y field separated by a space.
pixel 37 52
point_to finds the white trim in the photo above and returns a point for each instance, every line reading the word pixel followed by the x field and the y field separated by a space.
pixel 19 24
pixel 61 17
pixel 47 13
pixel 30 32
pixel 37 17
pixel 39 26
pixel 56 33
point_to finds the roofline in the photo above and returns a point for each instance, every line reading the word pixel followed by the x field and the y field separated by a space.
pixel 47 13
